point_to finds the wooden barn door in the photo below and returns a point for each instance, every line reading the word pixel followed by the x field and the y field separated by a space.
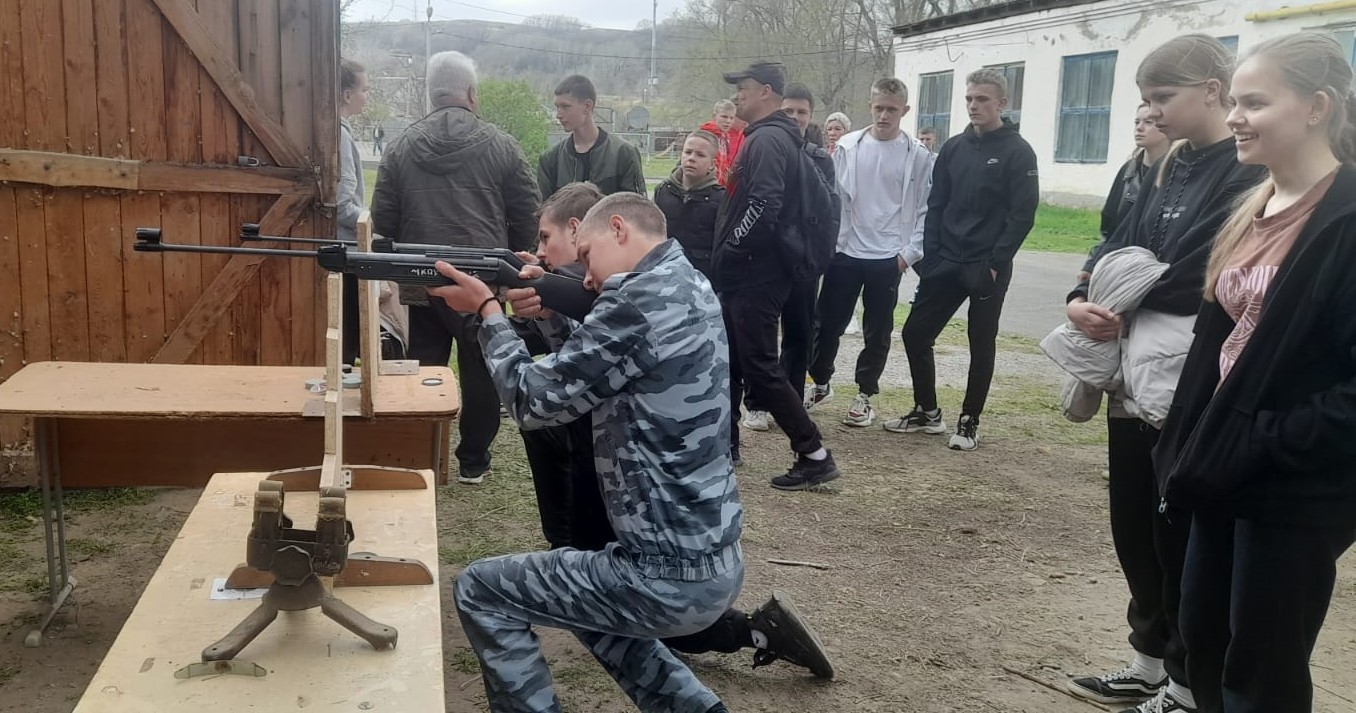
pixel 116 114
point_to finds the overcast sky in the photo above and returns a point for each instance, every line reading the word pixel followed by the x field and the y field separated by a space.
pixel 618 14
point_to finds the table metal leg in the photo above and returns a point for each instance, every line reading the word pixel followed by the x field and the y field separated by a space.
pixel 60 583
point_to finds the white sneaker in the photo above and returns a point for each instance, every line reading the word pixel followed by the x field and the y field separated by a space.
pixel 1164 702
pixel 966 437
pixel 817 395
pixel 861 414
pixel 756 420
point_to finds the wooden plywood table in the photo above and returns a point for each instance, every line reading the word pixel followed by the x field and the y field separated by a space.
pixel 311 661
pixel 175 424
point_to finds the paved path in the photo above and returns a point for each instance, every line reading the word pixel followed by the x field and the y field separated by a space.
pixel 1035 301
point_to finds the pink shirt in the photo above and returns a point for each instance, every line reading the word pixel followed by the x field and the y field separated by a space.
pixel 1243 283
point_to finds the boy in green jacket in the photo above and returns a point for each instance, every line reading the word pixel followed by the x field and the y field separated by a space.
pixel 588 153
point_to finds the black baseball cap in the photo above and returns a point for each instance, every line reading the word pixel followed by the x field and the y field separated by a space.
pixel 772 74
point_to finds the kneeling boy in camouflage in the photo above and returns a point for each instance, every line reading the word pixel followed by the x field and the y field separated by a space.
pixel 650 365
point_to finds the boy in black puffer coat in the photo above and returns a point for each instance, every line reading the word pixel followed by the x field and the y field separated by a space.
pixel 691 197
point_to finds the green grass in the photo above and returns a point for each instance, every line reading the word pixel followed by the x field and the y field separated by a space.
pixel 88 547
pixel 369 183
pixel 954 335
pixel 656 168
pixel 1064 230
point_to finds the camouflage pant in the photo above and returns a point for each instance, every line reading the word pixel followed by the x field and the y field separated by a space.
pixel 616 611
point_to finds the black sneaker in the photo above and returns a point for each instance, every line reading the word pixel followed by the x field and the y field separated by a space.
pixel 735 459
pixel 789 637
pixel 1164 702
pixel 1123 686
pixel 918 421
pixel 807 474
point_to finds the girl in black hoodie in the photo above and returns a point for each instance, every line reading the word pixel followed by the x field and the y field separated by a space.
pixel 1261 440
pixel 1186 83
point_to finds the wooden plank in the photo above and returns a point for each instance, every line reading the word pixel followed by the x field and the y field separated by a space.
pixel 220 145
pixel 44 78
pixel 182 271
pixel 369 322
pixel 294 27
pixel 104 267
pixel 192 391
pixel 214 212
pixel 111 76
pixel 51 168
pixel 67 293
pixel 11 294
pixel 146 81
pixel 245 310
pixel 261 59
pixel 82 91
pixel 325 88
pixel 11 76
pixel 218 296
pixel 29 206
pixel 143 281
pixel 257 105
pixel 334 376
pixel 108 453
pixel 311 660
pixel 183 106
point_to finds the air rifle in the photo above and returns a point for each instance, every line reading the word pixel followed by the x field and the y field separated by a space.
pixel 495 267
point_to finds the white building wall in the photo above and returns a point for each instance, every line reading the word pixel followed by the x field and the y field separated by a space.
pixel 1043 39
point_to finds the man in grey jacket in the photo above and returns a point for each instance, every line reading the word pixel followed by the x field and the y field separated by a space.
pixel 454 179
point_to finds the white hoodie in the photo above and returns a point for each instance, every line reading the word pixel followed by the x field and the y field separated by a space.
pixel 856 241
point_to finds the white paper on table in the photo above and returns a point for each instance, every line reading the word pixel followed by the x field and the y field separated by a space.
pixel 221 593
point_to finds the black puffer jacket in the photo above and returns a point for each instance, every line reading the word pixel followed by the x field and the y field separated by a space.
pixel 691 215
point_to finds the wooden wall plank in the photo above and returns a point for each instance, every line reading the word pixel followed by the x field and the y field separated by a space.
pixel 105 239
pixel 13 431
pixel 44 92
pixel 82 91
pixel 298 118
pixel 143 281
pixel 146 81
pixel 111 78
pixel 179 211
pixel 245 310
pixel 52 168
pixel 11 76
pixel 11 294
pixel 67 294
pixel 220 145
pixel 104 267
pixel 29 214
pixel 325 88
pixel 261 62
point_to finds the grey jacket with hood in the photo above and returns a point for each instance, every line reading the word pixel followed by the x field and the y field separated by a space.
pixel 455 179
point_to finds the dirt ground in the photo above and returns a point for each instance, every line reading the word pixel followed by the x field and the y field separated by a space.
pixel 945 568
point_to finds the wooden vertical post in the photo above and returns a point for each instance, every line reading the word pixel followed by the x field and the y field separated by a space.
pixel 369 323
pixel 332 467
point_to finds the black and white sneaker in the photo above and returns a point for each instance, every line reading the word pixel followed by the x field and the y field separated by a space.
pixel 918 421
pixel 1123 686
pixel 817 395
pixel 807 474
pixel 966 437
pixel 1164 702
pixel 789 637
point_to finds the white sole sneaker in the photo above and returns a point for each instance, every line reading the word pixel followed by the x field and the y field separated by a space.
pixel 870 418
pixel 961 443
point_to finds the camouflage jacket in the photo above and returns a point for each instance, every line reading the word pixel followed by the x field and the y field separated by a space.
pixel 650 364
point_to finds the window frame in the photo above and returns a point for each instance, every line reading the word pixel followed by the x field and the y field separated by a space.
pixel 938 120
pixel 1088 111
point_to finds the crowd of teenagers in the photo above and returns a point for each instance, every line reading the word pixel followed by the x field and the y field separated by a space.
pixel 1219 289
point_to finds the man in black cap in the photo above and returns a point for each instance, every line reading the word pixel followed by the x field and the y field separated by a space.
pixel 748 271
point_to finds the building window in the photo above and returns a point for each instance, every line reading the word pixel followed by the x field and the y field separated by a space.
pixel 1085 108
pixel 1015 73
pixel 1230 42
pixel 1347 38
pixel 934 103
